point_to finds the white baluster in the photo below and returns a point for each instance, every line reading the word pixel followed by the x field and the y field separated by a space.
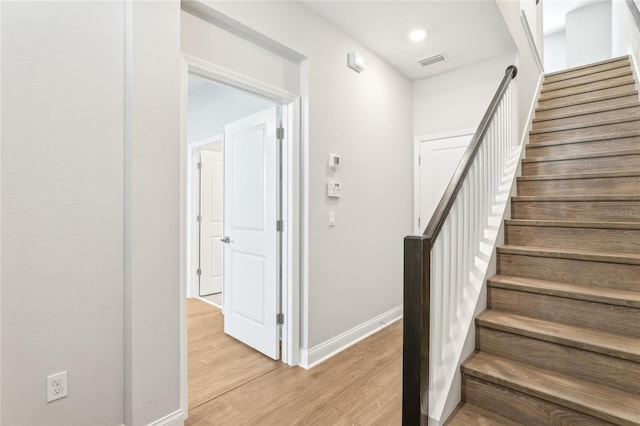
pixel 453 217
pixel 436 306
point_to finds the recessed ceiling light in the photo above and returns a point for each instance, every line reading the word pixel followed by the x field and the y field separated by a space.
pixel 417 35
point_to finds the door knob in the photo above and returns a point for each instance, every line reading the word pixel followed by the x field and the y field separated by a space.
pixel 225 240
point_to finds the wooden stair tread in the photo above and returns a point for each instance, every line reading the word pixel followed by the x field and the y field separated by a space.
pixel 574 224
pixel 604 97
pixel 612 61
pixel 585 125
pixel 585 255
pixel 618 71
pixel 570 198
pixel 469 414
pixel 596 110
pixel 564 141
pixel 582 156
pixel 597 175
pixel 610 296
pixel 567 335
pixel 580 99
pixel 612 83
pixel 596 400
pixel 559 147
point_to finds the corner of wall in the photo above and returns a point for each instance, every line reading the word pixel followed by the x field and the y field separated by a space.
pixel 319 353
pixel 176 418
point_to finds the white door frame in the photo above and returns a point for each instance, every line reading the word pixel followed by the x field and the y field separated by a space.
pixel 419 228
pixel 193 192
pixel 291 205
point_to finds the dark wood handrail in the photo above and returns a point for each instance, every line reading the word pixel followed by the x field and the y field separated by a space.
pixel 633 7
pixel 417 279
pixel 446 202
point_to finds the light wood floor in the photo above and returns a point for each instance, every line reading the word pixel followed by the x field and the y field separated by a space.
pixel 231 384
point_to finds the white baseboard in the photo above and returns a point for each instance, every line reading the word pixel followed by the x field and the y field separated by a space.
pixel 173 419
pixel 314 356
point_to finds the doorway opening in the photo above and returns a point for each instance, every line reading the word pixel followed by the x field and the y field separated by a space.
pixel 241 208
pixel 235 140
pixel 208 189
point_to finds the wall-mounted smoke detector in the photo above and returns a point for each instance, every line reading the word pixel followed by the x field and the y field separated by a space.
pixel 431 60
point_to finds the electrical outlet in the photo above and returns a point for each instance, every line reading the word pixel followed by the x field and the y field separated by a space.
pixel 57 386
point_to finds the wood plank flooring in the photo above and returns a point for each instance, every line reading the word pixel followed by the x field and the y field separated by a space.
pixel 230 384
pixel 217 363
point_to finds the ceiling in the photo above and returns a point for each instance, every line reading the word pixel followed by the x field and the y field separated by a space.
pixel 465 32
pixel 554 13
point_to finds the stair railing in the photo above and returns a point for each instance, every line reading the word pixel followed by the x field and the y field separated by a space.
pixel 441 264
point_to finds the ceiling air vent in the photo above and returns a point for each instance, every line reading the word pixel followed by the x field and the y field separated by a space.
pixel 431 60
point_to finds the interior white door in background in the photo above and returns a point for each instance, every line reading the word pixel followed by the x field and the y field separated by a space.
pixel 251 252
pixel 211 186
pixel 438 161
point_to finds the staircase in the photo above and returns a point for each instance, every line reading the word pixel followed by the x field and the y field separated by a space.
pixel 560 341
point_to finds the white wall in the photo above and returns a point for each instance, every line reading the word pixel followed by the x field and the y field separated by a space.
pixel 555 52
pixel 458 99
pixel 533 13
pixel 539 30
pixel 354 269
pixel 215 45
pixel 589 34
pixel 625 37
pixel 152 214
pixel 90 219
pixel 62 210
pixel 211 107
pixel 527 81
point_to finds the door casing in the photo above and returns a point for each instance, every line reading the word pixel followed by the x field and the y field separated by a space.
pixel 419 227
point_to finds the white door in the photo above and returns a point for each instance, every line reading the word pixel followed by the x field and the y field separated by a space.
pixel 438 160
pixel 251 252
pixel 211 185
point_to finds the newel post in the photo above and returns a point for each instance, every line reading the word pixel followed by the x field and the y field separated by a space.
pixel 415 358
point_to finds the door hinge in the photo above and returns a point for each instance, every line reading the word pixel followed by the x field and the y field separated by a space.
pixel 280 133
pixel 199 165
pixel 418 221
pixel 280 319
pixel 199 271
pixel 279 225
pixel 199 218
pixel 419 159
